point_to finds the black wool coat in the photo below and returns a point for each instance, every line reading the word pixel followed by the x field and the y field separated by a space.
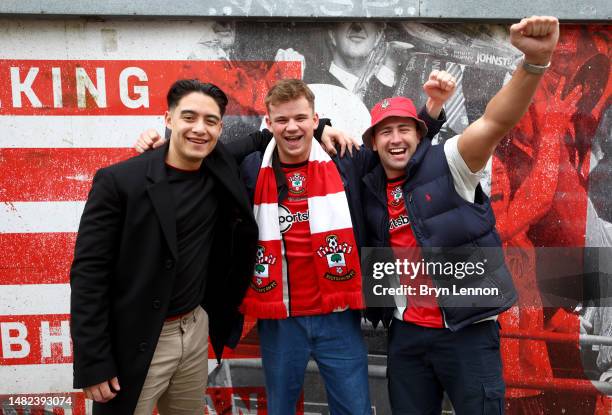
pixel 124 268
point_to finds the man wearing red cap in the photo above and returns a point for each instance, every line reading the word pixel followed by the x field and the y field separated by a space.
pixel 423 196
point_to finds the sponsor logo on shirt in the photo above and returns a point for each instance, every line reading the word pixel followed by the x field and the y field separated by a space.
pixel 286 218
pixel 398 222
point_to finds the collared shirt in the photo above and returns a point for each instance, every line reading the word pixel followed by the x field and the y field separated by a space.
pixel 465 182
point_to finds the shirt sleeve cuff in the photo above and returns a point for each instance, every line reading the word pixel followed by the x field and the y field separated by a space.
pixel 451 148
pixel 319 131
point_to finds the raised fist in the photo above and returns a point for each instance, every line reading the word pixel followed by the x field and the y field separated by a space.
pixel 440 86
pixel 536 37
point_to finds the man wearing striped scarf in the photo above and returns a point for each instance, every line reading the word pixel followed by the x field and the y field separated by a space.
pixel 306 285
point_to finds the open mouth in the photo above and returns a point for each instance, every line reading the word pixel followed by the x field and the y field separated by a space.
pixel 293 138
pixel 397 151
pixel 293 142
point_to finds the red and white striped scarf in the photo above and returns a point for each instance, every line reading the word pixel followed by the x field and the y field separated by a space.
pixel 334 251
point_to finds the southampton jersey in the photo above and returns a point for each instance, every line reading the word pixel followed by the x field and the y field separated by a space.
pixel 422 310
pixel 293 216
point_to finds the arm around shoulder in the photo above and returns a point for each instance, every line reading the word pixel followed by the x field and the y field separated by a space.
pixel 255 141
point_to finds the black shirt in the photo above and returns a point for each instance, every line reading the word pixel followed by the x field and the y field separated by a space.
pixel 196 213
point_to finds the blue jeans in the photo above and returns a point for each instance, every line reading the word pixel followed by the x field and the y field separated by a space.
pixel 423 362
pixel 335 342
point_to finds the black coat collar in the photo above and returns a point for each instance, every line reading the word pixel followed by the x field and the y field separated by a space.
pixel 159 192
pixel 219 164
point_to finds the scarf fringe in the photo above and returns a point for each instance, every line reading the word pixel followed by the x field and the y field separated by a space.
pixel 354 300
pixel 259 309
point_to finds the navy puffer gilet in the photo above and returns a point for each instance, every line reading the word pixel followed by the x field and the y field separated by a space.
pixel 441 218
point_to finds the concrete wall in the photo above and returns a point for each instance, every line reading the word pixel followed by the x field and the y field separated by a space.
pixel 331 9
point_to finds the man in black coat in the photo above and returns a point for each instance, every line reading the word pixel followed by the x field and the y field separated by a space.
pixel 163 237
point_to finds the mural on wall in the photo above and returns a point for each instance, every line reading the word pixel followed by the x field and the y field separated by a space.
pixel 74 96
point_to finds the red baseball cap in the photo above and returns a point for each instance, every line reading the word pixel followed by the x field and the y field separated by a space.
pixel 392 107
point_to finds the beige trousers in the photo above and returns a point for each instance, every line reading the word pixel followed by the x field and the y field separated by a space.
pixel 176 380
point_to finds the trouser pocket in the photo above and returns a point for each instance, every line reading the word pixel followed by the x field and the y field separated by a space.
pixel 493 399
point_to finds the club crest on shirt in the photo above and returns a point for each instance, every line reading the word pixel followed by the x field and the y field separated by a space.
pixel 297 183
pixel 334 252
pixel 396 196
pixel 261 272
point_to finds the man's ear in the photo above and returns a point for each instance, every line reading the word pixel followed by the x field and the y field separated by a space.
pixel 268 122
pixel 316 120
pixel 373 140
pixel 168 119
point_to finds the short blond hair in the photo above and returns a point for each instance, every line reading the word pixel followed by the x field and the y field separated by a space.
pixel 287 90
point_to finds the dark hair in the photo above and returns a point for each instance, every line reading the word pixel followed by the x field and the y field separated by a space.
pixel 184 87
pixel 287 90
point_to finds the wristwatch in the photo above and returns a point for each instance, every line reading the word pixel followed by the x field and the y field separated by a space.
pixel 535 69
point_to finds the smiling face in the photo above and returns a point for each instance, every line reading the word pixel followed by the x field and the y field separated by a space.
pixel 196 126
pixel 355 40
pixel 293 124
pixel 395 139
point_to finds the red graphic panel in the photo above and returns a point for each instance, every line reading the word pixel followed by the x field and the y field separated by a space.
pixel 100 87
pixel 540 192
pixel 53 174
pixel 40 339
pixel 36 258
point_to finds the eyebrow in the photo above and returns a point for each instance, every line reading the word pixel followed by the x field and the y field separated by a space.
pixel 207 116
pixel 306 115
